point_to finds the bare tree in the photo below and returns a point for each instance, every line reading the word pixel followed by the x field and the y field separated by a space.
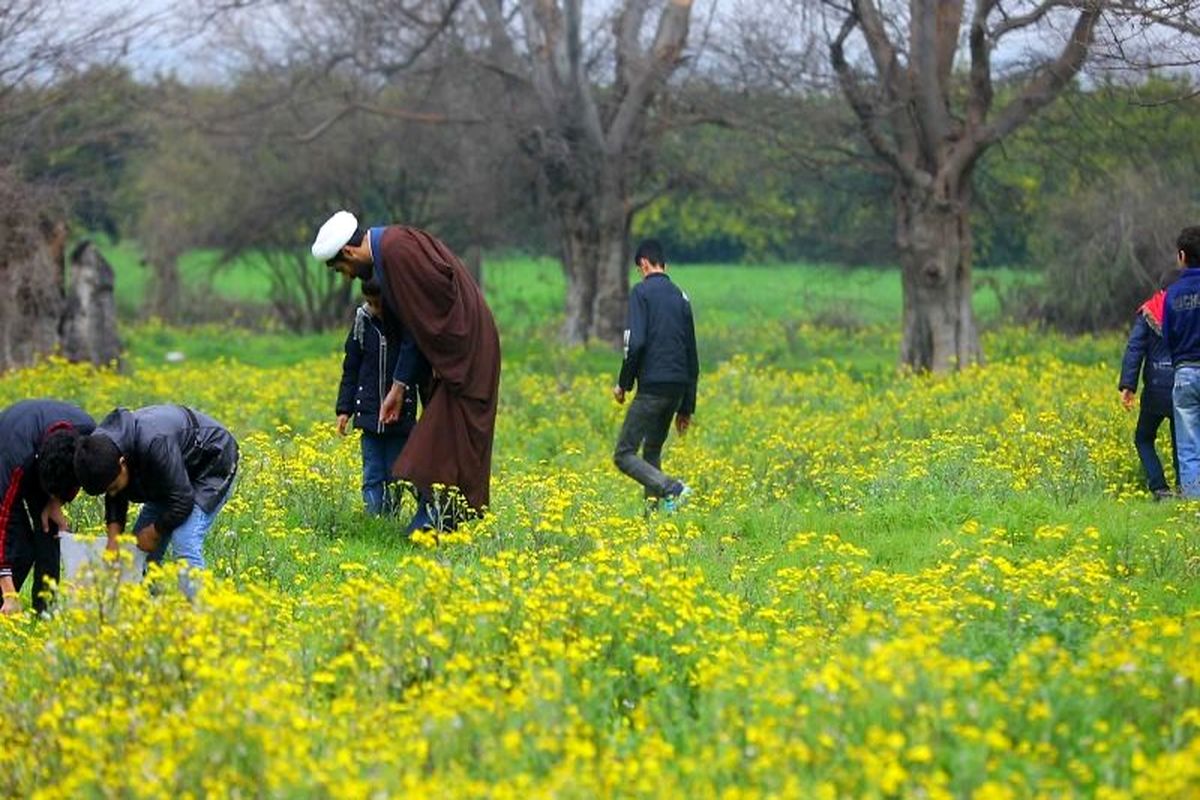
pixel 588 136
pixel 42 42
pixel 929 124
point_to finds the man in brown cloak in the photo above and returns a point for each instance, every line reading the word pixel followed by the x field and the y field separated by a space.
pixel 430 296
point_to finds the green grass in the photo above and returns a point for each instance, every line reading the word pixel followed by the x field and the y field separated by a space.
pixel 740 309
pixel 849 520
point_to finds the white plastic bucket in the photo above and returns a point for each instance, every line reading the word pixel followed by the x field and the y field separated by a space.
pixel 78 551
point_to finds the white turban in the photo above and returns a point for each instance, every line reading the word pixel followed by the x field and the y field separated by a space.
pixel 334 235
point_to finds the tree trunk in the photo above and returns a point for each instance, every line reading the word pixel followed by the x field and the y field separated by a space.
pixel 90 325
pixel 31 292
pixel 933 238
pixel 166 287
pixel 595 247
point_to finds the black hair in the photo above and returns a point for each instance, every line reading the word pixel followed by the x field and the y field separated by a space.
pixel 652 251
pixel 97 463
pixel 1168 276
pixel 56 464
pixel 1189 243
pixel 372 288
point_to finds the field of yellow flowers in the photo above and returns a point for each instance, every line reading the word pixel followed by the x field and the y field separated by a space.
pixel 886 586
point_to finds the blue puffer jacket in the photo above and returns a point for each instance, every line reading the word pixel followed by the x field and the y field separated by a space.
pixel 1147 353
pixel 367 370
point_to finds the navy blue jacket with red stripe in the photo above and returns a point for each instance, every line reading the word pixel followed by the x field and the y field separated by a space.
pixel 23 428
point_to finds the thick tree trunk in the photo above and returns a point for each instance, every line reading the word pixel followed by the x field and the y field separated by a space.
pixel 610 306
pixel 933 237
pixel 31 292
pixel 595 247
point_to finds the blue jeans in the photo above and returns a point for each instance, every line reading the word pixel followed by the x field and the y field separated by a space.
pixel 1150 418
pixel 188 539
pixel 1187 429
pixel 379 453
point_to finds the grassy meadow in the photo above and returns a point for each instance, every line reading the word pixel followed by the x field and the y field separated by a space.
pixel 886 585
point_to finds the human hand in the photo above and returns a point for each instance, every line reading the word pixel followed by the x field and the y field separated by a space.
pixel 53 512
pixel 389 411
pixel 682 423
pixel 619 394
pixel 1127 398
pixel 12 605
pixel 147 538
pixel 342 421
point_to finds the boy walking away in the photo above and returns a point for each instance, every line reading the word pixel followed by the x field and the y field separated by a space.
pixel 1147 353
pixel 367 372
pixel 660 355
pixel 37 476
pixel 1181 330
pixel 177 462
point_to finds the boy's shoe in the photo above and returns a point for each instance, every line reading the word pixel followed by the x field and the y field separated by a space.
pixel 676 496
pixel 421 521
pixel 1164 494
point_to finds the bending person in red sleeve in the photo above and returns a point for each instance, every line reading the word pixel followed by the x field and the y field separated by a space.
pixel 37 476
pixel 429 294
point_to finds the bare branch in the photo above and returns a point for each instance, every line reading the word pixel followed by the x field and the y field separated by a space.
pixel 926 54
pixel 1043 89
pixel 869 116
pixel 1010 24
pixel 979 101
pixel 669 41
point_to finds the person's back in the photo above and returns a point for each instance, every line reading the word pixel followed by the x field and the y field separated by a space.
pixel 1147 353
pixel 167 442
pixel 1181 330
pixel 178 462
pixel 37 476
pixel 1181 318
pixel 664 347
pixel 660 357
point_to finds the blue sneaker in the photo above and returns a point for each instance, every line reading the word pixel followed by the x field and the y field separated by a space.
pixel 421 520
pixel 677 496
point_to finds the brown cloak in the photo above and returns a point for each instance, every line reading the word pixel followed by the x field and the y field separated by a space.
pixel 433 296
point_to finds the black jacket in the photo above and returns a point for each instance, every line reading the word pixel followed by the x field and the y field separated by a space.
pixel 177 458
pixel 23 428
pixel 1147 352
pixel 660 341
pixel 367 369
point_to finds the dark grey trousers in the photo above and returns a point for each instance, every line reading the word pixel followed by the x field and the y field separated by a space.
pixel 647 423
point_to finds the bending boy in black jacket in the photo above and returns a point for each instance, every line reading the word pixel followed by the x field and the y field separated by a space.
pixel 373 359
pixel 177 462
pixel 37 476
pixel 660 355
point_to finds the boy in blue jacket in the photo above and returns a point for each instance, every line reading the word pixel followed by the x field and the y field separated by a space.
pixel 660 355
pixel 372 358
pixel 1181 331
pixel 1147 353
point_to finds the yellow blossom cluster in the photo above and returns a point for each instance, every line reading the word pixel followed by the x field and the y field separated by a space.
pixel 884 586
